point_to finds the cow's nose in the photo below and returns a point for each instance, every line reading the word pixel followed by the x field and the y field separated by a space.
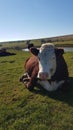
pixel 43 75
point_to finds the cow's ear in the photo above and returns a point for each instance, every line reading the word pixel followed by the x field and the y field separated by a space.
pixel 34 51
pixel 59 51
pixel 30 45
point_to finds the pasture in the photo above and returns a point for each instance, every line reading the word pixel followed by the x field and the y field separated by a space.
pixel 21 109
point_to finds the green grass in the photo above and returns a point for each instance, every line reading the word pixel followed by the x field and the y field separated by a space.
pixel 21 109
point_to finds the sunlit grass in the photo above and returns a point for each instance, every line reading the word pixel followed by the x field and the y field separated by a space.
pixel 21 109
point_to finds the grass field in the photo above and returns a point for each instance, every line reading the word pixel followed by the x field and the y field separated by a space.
pixel 21 109
pixel 66 40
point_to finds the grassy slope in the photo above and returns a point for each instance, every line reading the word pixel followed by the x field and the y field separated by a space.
pixel 64 43
pixel 21 45
pixel 37 110
pixel 66 40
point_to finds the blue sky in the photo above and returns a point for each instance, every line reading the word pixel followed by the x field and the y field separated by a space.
pixel 33 19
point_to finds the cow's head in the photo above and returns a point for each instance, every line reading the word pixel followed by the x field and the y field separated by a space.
pixel 47 60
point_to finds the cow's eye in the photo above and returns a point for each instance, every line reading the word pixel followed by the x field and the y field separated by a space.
pixel 51 70
pixel 39 58
pixel 53 57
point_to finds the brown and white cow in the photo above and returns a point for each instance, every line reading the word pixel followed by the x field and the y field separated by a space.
pixel 46 67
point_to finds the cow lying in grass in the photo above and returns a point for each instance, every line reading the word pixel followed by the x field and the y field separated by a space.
pixel 46 67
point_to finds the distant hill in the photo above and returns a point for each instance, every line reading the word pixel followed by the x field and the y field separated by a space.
pixel 65 40
pixel 47 39
pixel 61 38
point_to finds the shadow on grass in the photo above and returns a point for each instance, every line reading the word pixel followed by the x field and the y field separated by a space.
pixel 65 96
pixel 6 54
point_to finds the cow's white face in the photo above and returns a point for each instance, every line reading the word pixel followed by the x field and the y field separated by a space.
pixel 47 61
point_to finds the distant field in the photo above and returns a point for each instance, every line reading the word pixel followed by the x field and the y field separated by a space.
pixel 58 41
pixel 37 110
pixel 64 43
pixel 22 45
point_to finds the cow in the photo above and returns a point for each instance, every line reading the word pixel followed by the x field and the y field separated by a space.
pixel 46 68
